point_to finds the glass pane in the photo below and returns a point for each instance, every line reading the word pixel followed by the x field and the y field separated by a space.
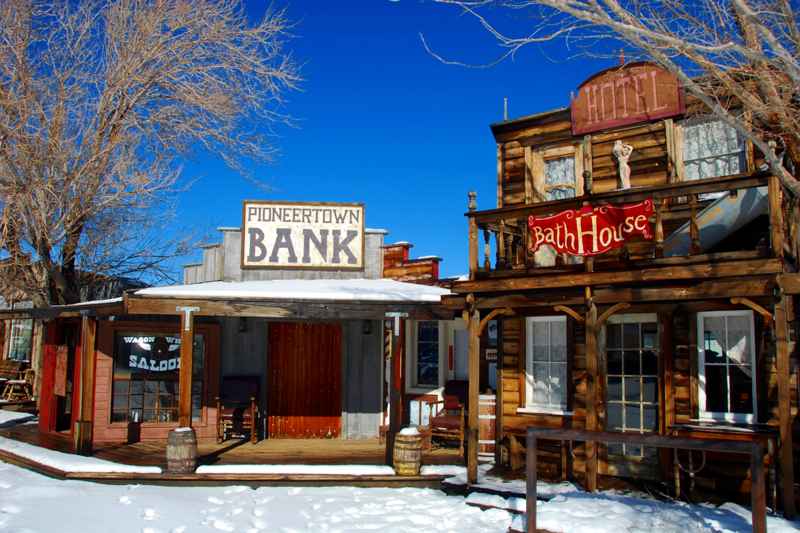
pixel 739 342
pixel 649 363
pixel 614 336
pixel 714 339
pixel 428 331
pixel 741 389
pixel 649 390
pixel 716 389
pixel 558 340
pixel 615 449
pixel 21 337
pixel 558 385
pixel 541 333
pixel 614 362
pixel 630 336
pixel 614 389
pixel 428 364
pixel 632 362
pixel 540 353
pixel 632 389
pixel 711 148
pixel 632 417
pixel 635 451
pixel 559 178
pixel 541 376
pixel 650 415
pixel 649 335
pixel 614 416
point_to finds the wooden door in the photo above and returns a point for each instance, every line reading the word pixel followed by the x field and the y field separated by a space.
pixel 305 380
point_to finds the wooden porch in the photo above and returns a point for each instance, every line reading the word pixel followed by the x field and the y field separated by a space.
pixel 237 452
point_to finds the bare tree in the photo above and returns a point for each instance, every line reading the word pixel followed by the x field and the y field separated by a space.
pixel 739 58
pixel 99 101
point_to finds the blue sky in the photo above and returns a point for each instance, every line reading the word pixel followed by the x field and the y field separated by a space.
pixel 380 121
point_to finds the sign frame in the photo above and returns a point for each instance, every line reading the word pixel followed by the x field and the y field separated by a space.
pixel 602 125
pixel 359 205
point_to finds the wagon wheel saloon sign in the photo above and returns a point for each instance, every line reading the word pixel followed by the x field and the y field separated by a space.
pixel 591 230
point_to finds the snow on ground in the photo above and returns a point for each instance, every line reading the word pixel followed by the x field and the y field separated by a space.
pixel 69 462
pixel 11 418
pixel 346 470
pixel 458 476
pixel 77 506
pixel 612 512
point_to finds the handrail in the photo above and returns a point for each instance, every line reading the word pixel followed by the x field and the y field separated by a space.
pixel 755 449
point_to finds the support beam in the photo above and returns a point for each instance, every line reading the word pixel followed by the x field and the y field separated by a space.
pixel 82 434
pixel 492 314
pixel 395 387
pixel 784 407
pixel 474 328
pixel 755 307
pixel 616 308
pixel 185 373
pixel 569 311
pixel 591 395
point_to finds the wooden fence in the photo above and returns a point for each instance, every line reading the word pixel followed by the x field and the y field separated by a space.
pixel 754 449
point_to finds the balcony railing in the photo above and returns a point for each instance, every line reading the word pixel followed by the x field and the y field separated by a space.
pixel 689 219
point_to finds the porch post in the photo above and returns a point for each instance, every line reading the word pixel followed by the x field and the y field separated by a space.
pixel 185 373
pixel 395 386
pixel 474 329
pixel 784 406
pixel 84 422
pixel 591 394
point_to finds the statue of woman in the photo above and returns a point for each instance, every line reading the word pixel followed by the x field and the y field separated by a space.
pixel 623 152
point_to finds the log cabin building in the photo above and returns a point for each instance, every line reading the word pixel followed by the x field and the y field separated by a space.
pixel 642 264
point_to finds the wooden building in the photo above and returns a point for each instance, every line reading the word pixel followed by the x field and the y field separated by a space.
pixel 292 309
pixel 642 264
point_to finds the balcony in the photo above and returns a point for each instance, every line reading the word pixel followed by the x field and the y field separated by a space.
pixel 740 225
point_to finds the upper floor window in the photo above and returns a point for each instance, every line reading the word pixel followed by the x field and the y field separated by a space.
pixel 711 148
pixel 559 178
pixel 426 362
pixel 726 369
pixel 546 363
pixel 20 339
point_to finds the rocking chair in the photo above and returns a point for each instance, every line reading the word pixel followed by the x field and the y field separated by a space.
pixel 447 420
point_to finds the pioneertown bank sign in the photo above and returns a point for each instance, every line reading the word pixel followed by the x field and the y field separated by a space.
pixel 302 235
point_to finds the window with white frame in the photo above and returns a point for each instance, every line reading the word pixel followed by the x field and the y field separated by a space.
pixel 20 340
pixel 559 178
pixel 426 362
pixel 726 368
pixel 711 148
pixel 546 363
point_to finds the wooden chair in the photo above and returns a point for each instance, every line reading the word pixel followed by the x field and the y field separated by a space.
pixel 20 389
pixel 237 408
pixel 240 421
pixel 447 420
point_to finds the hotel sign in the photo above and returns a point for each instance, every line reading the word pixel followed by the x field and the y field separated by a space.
pixel 302 235
pixel 591 231
pixel 619 96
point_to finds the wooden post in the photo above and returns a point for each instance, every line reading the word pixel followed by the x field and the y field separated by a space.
pixel 84 421
pixel 474 328
pixel 395 389
pixel 660 204
pixel 185 373
pixel 473 236
pixel 784 407
pixel 775 216
pixel 530 481
pixel 758 494
pixel 694 230
pixel 591 394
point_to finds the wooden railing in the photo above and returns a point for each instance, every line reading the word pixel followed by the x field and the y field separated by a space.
pixel 675 204
pixel 758 497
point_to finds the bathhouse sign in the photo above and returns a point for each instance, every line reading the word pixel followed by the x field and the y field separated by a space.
pixel 591 231
pixel 636 92
pixel 302 235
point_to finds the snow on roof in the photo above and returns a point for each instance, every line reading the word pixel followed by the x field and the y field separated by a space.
pixel 426 257
pixel 377 230
pixel 373 290
pixel 91 303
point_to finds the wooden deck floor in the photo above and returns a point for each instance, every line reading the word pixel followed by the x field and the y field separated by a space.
pixel 269 451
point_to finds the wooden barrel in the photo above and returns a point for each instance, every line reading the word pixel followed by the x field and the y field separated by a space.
pixel 407 454
pixel 181 451
pixel 486 424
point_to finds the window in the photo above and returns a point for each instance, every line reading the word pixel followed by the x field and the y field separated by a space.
pixel 146 369
pixel 427 362
pixel 546 363
pixel 631 378
pixel 20 340
pixel 711 148
pixel 559 178
pixel 726 368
